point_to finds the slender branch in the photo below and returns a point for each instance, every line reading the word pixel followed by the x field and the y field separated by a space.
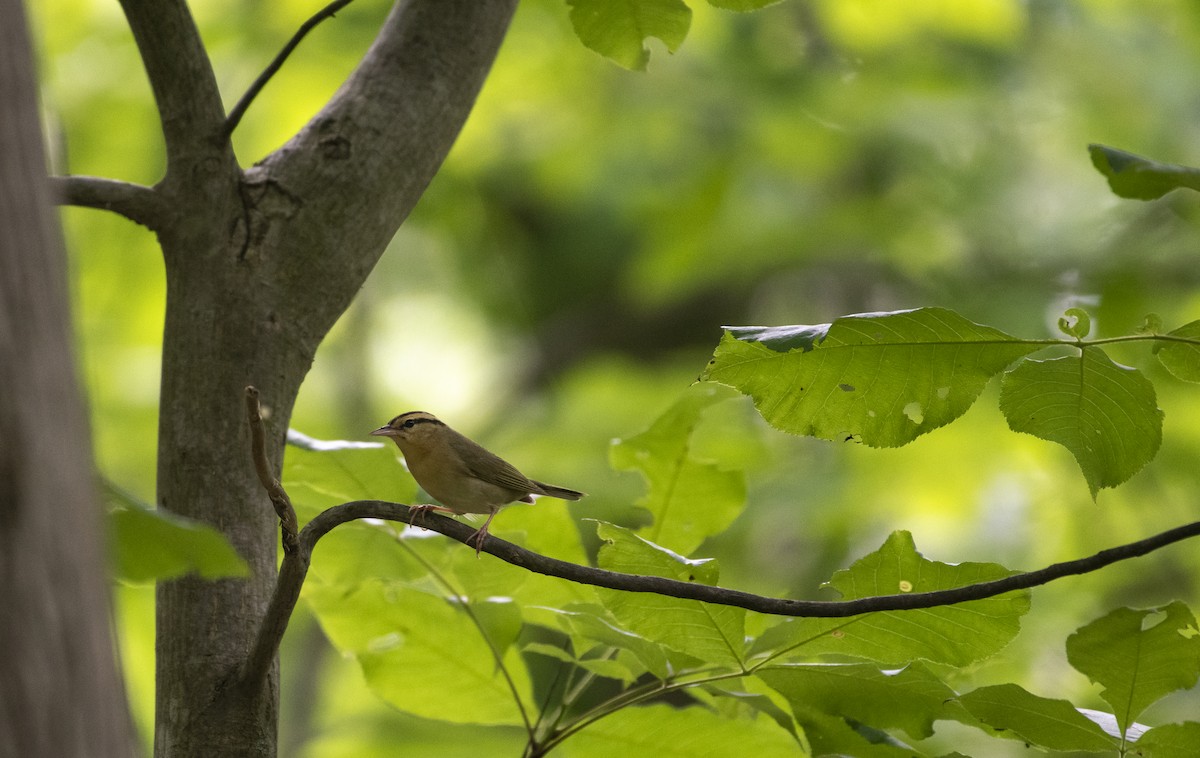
pixel 239 110
pixel 279 497
pixel 541 564
pixel 136 202
pixel 296 562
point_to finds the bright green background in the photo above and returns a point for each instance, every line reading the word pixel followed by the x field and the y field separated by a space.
pixel 566 276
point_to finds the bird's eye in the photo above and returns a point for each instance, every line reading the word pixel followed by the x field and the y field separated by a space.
pixel 409 424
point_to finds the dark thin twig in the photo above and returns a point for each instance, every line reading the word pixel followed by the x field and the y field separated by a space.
pixel 239 110
pixel 541 564
pixel 275 491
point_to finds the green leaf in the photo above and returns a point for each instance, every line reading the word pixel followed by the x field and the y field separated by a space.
pixel 587 624
pixel 618 29
pixel 1181 358
pixel 713 633
pixel 911 698
pixel 421 653
pixel 957 635
pixel 690 499
pixel 1049 724
pixel 605 667
pixel 1075 322
pixel 319 474
pixel 148 544
pixel 879 378
pixel 1138 656
pixel 1170 741
pixel 1139 178
pixel 1104 413
pixel 742 6
pixel 667 732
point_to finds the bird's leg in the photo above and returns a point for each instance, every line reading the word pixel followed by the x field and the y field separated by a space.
pixel 417 512
pixel 482 532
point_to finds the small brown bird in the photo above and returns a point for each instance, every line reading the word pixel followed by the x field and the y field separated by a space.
pixel 459 473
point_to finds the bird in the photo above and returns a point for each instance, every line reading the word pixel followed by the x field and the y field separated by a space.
pixel 460 473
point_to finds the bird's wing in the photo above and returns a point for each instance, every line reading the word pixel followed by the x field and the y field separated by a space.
pixel 492 468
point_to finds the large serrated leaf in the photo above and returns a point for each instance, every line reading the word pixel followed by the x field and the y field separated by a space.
pixel 618 29
pixel 689 499
pixel 713 633
pixel 1104 413
pixel 1138 656
pixel 1049 724
pixel 956 634
pixel 421 653
pixel 1132 176
pixel 879 378
pixel 911 698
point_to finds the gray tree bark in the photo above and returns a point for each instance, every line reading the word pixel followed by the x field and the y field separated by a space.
pixel 259 265
pixel 60 693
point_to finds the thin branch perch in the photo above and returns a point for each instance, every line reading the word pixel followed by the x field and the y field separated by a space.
pixel 136 202
pixel 295 567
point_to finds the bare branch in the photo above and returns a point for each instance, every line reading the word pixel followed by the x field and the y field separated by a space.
pixel 279 497
pixel 541 564
pixel 136 202
pixel 295 567
pixel 239 110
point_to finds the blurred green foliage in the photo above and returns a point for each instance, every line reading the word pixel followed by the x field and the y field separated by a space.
pixel 567 274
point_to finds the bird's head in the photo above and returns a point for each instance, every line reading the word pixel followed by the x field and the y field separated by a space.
pixel 415 428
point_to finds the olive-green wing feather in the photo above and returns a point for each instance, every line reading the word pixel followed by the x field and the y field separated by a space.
pixel 490 467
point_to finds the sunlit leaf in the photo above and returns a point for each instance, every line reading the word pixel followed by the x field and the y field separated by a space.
pixel 668 732
pixel 710 632
pixel 1049 724
pixel 587 626
pixel 954 634
pixel 148 544
pixel 618 29
pixel 1139 178
pixel 1075 322
pixel 1138 656
pixel 879 378
pixel 690 499
pixel 1104 413
pixel 1181 358
pixel 911 698
pixel 605 667
pixel 421 653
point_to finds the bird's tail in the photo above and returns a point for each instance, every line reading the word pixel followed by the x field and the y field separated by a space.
pixel 559 492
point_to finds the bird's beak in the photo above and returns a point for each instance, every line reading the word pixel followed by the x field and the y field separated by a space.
pixel 383 431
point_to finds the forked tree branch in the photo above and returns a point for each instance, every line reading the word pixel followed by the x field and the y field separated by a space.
pixel 136 202
pixel 239 110
pixel 295 567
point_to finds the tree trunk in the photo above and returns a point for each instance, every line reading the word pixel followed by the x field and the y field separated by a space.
pixel 259 266
pixel 60 692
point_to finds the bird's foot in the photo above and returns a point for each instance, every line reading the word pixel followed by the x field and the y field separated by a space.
pixel 477 538
pixel 416 513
